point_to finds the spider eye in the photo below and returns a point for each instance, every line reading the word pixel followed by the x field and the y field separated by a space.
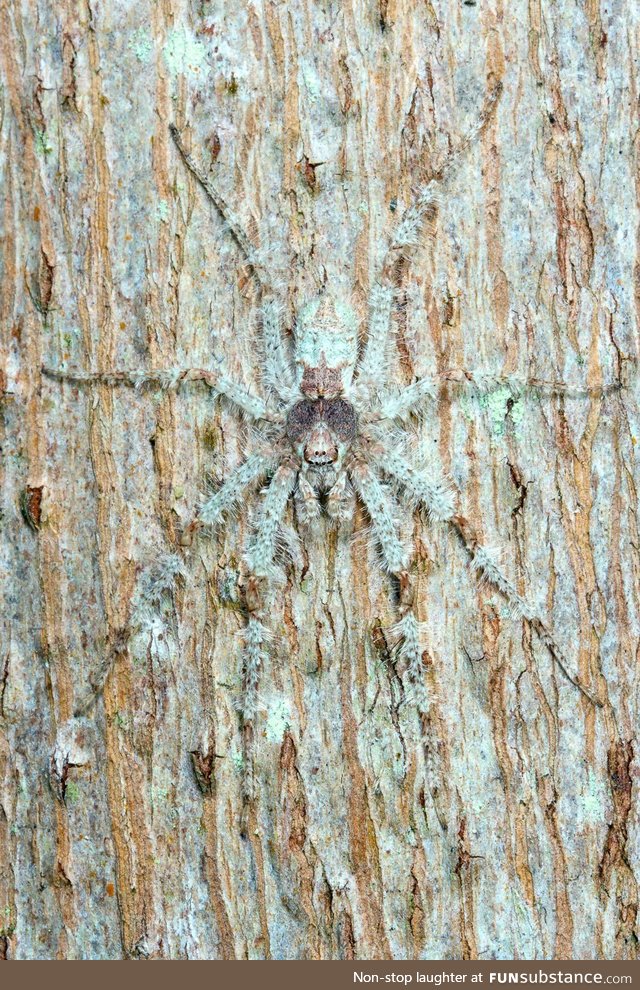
pixel 301 420
pixel 340 417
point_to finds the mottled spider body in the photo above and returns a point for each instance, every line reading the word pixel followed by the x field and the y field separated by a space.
pixel 328 430
pixel 321 432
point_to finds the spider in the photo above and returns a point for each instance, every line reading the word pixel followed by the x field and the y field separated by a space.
pixel 328 429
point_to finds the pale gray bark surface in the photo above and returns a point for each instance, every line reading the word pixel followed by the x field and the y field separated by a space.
pixel 505 824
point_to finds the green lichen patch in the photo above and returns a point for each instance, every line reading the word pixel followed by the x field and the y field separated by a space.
pixel 141 44
pixel 278 720
pixel 184 54
pixel 503 408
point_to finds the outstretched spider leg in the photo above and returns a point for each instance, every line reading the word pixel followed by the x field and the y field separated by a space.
pixel 405 233
pixel 373 363
pixel 439 500
pixel 172 378
pixel 221 206
pixel 517 384
pixel 245 476
pixel 395 555
pixel 484 563
pixel 399 403
pixel 259 559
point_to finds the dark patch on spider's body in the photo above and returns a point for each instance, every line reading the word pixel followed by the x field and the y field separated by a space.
pixel 318 430
pixel 337 414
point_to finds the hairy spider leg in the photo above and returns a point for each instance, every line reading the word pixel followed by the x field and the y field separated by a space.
pixel 261 550
pixel 172 378
pixel 226 499
pixel 434 493
pixel 439 500
pixel 405 234
pixel 372 367
pixel 485 382
pixel 259 559
pixel 484 563
pixel 396 557
pixel 407 230
pixel 223 209
pixel 278 371
pixel 400 403
pixel 383 519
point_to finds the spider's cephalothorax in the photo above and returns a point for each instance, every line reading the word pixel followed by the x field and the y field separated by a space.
pixel 329 425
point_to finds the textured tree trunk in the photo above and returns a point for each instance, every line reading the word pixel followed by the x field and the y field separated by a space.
pixel 502 823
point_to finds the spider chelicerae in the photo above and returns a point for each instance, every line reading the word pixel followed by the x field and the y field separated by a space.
pixel 328 433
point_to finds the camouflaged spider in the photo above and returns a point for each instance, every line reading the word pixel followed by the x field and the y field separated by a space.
pixel 324 435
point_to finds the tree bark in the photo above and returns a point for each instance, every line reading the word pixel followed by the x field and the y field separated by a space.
pixel 504 822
